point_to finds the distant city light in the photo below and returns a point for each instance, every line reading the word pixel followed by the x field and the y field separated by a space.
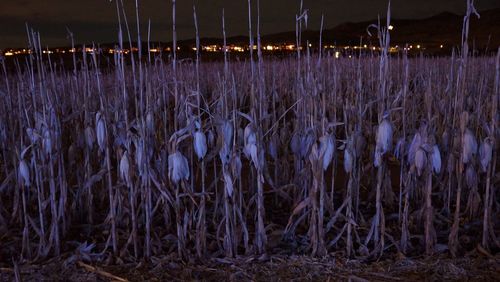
pixel 211 48
pixel 391 27
pixel 238 49
pixel 338 50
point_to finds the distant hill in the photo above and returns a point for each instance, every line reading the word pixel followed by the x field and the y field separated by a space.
pixel 444 28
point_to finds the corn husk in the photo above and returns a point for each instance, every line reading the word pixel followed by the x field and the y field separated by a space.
pixel 384 136
pixel 140 155
pixel 47 142
pixel 469 148
pixel 306 142
pixel 200 144
pixel 436 159
pixel 178 168
pixel 211 138
pixel 251 152
pixel 415 144
pixel 348 160
pixel 377 158
pixel 53 119
pixel 399 149
pixel 24 173
pixel 100 130
pixel 250 149
pixel 327 149
pixel 125 168
pixel 420 160
pixel 383 141
pixel 236 165
pixel 314 154
pixel 89 137
pixel 227 132
pixel 249 135
pixel 33 135
pixel 225 154
pixel 485 153
pixel 228 183
pixel 197 124
pixel 226 138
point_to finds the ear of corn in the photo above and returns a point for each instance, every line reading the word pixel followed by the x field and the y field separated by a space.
pixel 327 149
pixel 125 168
pixel 178 168
pixel 485 154
pixel 469 148
pixel 100 131
pixel 24 173
pixel 436 159
pixel 420 160
pixel 383 141
pixel 200 144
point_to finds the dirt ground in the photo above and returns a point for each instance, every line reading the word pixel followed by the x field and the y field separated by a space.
pixel 475 266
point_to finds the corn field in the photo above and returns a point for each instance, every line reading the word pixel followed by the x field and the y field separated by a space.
pixel 312 154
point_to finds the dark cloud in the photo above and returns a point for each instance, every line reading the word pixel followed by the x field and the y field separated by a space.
pixel 96 20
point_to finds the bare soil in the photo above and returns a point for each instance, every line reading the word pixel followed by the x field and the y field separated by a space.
pixel 475 266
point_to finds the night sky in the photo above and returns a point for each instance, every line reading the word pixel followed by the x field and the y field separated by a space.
pixel 96 20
